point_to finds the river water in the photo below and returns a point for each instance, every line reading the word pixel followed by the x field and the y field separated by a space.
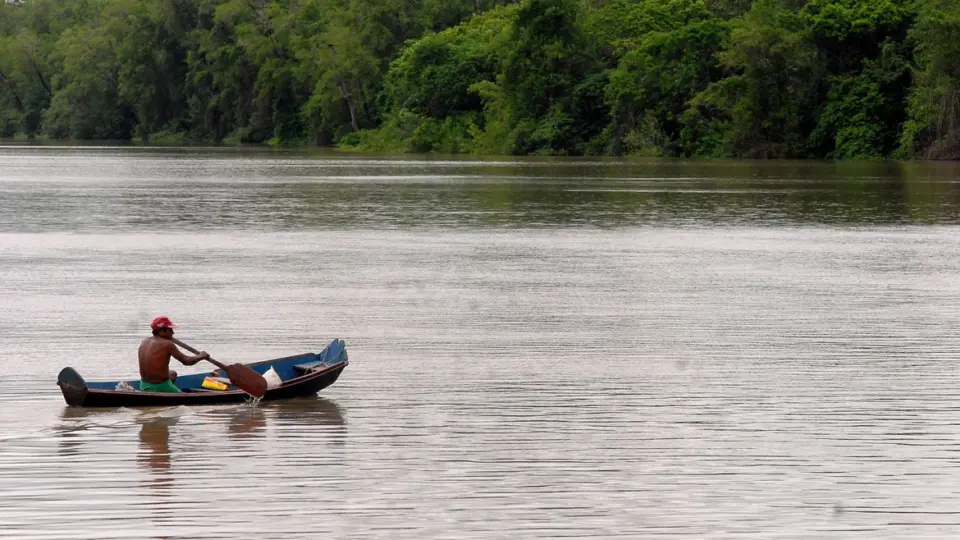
pixel 539 348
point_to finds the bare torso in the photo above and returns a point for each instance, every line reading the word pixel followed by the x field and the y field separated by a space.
pixel 154 357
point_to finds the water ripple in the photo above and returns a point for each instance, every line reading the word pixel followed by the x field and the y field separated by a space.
pixel 724 360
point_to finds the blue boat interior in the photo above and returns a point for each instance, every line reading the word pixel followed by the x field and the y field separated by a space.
pixel 286 368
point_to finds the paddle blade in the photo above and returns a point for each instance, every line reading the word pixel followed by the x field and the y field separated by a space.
pixel 247 380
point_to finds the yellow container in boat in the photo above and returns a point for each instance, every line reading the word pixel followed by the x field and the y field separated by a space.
pixel 213 384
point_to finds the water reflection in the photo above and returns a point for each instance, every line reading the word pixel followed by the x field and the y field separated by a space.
pixel 154 456
pixel 79 427
pixel 304 192
pixel 313 410
pixel 157 427
pixel 154 450
pixel 244 421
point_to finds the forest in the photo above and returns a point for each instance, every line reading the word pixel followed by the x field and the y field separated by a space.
pixel 821 79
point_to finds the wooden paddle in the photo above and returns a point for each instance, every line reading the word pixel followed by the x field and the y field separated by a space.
pixel 240 375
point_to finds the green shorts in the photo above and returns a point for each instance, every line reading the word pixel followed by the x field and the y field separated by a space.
pixel 165 386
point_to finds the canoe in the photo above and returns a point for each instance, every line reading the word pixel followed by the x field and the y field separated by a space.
pixel 302 375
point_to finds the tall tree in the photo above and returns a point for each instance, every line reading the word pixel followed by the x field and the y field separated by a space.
pixel 547 68
pixel 768 104
pixel 933 129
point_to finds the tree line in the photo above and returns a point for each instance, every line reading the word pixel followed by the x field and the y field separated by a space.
pixel 835 79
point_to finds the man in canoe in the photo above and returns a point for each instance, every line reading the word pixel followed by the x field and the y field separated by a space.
pixel 155 353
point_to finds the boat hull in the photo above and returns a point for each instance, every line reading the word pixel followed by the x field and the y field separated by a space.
pixel 303 375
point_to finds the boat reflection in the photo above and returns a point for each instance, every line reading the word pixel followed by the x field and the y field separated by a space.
pixel 174 452
pixel 159 437
pixel 312 410
pixel 80 426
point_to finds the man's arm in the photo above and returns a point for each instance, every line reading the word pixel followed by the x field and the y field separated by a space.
pixel 187 360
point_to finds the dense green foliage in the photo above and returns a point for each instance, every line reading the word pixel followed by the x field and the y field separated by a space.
pixel 713 78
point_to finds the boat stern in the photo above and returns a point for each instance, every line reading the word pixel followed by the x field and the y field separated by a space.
pixel 73 386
